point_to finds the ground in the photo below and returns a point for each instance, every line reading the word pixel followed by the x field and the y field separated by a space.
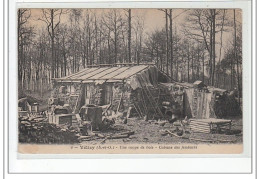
pixel 147 132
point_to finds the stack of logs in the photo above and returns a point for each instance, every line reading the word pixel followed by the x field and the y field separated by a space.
pixel 200 126
pixel 45 133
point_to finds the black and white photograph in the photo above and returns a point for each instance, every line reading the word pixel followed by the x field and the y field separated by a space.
pixel 130 80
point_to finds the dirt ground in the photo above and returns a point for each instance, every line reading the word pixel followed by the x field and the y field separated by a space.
pixel 147 132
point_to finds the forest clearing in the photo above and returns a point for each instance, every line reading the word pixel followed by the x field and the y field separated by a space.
pixel 130 76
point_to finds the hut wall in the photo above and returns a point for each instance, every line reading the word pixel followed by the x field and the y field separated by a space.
pixel 96 92
pixel 121 92
pixel 69 93
pixel 175 94
pixel 100 94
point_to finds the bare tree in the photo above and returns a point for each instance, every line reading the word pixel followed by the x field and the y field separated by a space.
pixel 113 21
pixel 23 33
pixel 52 18
pixel 129 17
pixel 167 38
pixel 221 42
pixel 138 28
pixel 203 28
pixel 171 43
pixel 235 55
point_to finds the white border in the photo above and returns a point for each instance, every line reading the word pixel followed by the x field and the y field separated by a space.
pixel 240 163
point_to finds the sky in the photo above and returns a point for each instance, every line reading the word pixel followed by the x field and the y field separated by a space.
pixel 154 19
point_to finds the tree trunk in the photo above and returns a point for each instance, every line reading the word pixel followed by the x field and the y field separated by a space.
pixel 210 53
pixel 100 48
pixel 235 53
pixel 188 63
pixel 213 45
pixel 53 62
pixel 96 39
pixel 203 65
pixel 109 49
pixel 198 65
pixel 221 42
pixel 115 42
pixel 89 47
pixel 192 66
pixel 139 51
pixel 171 44
pixel 157 56
pixel 129 35
pixel 167 41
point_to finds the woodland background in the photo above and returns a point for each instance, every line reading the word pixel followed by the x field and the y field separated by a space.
pixel 186 44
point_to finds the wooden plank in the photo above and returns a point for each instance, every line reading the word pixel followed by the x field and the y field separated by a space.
pixel 130 72
pixel 137 111
pixel 119 103
pixel 143 100
pixel 203 123
pixel 200 127
pixel 199 120
pixel 202 131
pixel 153 103
pixel 205 132
pixel 197 125
pixel 138 107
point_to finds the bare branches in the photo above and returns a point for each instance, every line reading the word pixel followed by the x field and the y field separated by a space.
pixel 59 14
pixel 75 38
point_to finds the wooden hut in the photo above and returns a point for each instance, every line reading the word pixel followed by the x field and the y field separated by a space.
pixel 118 86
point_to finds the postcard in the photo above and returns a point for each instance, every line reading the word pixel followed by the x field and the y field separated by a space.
pixel 130 81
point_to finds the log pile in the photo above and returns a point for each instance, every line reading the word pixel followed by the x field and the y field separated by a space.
pixel 226 105
pixel 211 125
pixel 44 133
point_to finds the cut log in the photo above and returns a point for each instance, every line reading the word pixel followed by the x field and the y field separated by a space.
pixel 84 137
pixel 169 132
pixel 100 135
pixel 118 136
pixel 127 133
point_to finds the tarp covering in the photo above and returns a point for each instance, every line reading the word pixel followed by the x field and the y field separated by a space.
pixel 199 104
pixel 144 78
